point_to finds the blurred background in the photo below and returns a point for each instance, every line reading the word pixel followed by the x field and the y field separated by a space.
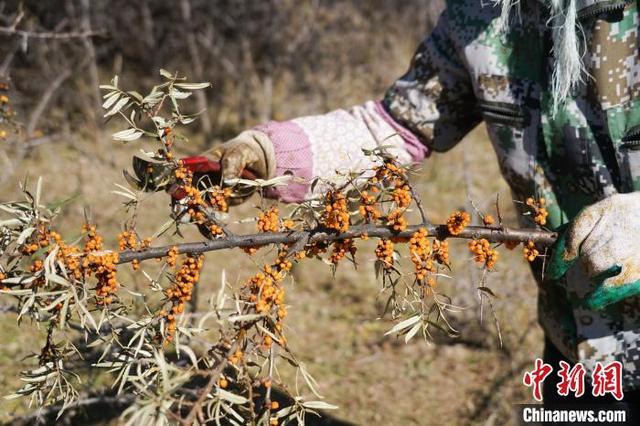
pixel 268 59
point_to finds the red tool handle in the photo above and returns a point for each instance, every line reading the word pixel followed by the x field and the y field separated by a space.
pixel 200 164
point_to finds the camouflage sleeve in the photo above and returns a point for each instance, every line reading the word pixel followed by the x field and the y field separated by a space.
pixel 435 98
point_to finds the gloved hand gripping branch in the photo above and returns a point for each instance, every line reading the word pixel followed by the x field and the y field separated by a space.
pixel 605 238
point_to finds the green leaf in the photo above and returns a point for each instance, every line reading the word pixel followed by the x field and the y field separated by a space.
pixel 177 94
pixel 110 100
pixel 319 405
pixel 232 397
pixel 118 106
pixel 127 135
pixel 403 325
pixel 192 86
pixel 166 74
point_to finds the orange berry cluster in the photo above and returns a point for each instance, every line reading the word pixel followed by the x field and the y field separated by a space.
pixel 483 253
pixel 68 255
pixel 336 215
pixel 530 251
pixel 129 240
pixel 172 256
pixel 384 253
pixel 457 222
pixel 387 171
pixel 219 198
pixel 389 174
pixel 368 206
pixel 183 174
pixel 104 269
pixel 42 239
pixel 402 194
pixel 396 220
pixel 195 202
pixel 420 253
pixel 265 291
pixel 181 290
pixel 539 210
pixel 269 221
pixel 215 230
pixel 77 265
pixel 93 241
pixel 440 251
pixel 340 250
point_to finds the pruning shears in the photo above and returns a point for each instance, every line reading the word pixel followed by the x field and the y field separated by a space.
pixel 152 174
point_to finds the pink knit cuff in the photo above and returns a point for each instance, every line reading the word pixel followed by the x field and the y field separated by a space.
pixel 416 149
pixel 293 156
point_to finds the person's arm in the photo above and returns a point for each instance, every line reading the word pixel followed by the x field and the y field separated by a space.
pixel 431 107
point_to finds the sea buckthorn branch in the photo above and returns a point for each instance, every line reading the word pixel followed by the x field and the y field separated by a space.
pixel 322 235
pixel 240 364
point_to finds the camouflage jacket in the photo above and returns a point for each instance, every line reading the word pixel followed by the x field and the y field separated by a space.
pixel 467 71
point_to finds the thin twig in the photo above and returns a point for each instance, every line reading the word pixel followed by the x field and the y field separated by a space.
pixel 50 35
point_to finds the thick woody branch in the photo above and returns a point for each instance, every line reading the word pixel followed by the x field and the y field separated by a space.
pixel 493 234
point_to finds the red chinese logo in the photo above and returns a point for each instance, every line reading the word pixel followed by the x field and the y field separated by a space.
pixel 606 379
pixel 571 379
pixel 536 377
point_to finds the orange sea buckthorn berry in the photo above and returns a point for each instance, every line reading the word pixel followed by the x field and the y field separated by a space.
pixel 420 254
pixel 172 256
pixel 340 250
pixel 440 251
pixel 384 253
pixel 402 194
pixel 219 198
pixel 488 220
pixel 335 214
pixel 268 221
pixel 530 251
pixel 368 208
pixel 396 220
pixel 457 222
pixel 181 290
pixel 483 253
pixel 538 210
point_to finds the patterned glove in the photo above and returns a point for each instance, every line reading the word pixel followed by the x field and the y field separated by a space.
pixel 606 238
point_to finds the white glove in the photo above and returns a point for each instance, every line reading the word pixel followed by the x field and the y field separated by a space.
pixel 606 238
pixel 251 149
